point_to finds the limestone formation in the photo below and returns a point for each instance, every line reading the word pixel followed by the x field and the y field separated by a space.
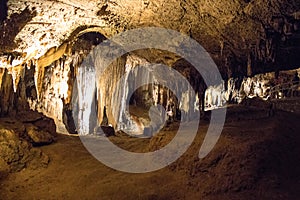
pixel 43 45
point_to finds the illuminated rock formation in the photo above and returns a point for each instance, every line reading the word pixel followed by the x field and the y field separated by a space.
pixel 43 44
pixel 129 80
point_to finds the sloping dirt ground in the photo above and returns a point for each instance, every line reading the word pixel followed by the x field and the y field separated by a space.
pixel 257 157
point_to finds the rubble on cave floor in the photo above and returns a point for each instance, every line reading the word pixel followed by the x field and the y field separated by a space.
pixel 19 137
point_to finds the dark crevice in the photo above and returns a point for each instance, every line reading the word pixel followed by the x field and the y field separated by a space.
pixel 3 10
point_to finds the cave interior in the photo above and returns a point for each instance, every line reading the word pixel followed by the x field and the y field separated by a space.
pixel 61 79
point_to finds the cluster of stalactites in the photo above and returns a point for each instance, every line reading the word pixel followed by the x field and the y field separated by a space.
pixel 14 66
pixel 115 88
pixel 166 95
pixel 51 79
pixel 17 64
pixel 57 89
pixel 260 86
pixel 236 90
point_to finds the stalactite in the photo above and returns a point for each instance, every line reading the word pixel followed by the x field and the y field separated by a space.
pixel 16 73
pixel 38 79
pixel 113 95
pixel 70 76
pixel 6 94
pixel 51 56
pixel 221 47
pixel 2 71
pixel 250 87
pixel 86 96
pixel 216 96
pixel 249 65
pixel 56 89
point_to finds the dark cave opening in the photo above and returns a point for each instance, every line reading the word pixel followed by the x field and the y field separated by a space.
pixel 3 10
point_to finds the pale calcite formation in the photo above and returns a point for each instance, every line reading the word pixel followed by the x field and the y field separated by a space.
pixel 109 95
pixel 55 91
pixel 265 86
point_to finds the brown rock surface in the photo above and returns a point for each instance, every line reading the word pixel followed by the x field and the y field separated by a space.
pixel 15 151
pixel 38 137
pixel 254 159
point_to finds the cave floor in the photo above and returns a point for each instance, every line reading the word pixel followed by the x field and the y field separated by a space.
pixel 257 157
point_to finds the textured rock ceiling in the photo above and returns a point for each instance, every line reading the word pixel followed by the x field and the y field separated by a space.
pixel 232 31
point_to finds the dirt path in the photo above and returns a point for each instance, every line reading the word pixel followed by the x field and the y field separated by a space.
pixel 254 159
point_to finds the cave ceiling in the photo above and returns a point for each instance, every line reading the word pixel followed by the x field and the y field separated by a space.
pixel 234 32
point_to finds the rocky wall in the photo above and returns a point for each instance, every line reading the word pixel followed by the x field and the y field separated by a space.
pixel 68 91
